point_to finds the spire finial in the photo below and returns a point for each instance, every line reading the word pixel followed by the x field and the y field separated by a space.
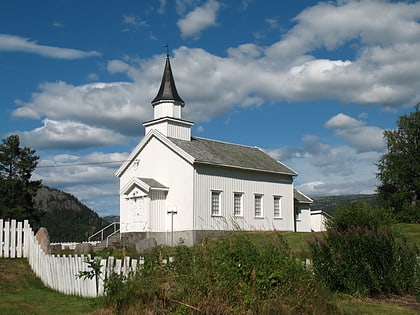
pixel 167 49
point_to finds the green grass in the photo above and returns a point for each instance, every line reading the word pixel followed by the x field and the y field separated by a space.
pixel 411 231
pixel 21 292
pixel 351 306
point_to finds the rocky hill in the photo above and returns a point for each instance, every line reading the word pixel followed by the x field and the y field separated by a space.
pixel 65 217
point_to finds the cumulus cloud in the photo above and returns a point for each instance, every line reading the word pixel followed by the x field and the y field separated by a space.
pixel 16 43
pixel 116 66
pixel 115 106
pixel 327 170
pixel 89 177
pixel 362 138
pixel 381 69
pixel 199 19
pixel 70 135
pixel 383 73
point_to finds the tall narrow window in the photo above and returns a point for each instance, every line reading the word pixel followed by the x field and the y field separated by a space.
pixel 258 206
pixel 277 206
pixel 237 204
pixel 215 203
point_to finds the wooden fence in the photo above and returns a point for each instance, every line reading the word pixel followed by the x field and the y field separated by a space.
pixel 59 273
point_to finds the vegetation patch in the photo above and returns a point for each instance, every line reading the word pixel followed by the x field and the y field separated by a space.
pixel 21 292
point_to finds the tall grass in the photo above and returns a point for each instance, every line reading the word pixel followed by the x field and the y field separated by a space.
pixel 232 275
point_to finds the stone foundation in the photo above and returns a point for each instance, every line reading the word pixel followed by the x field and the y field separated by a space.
pixel 188 238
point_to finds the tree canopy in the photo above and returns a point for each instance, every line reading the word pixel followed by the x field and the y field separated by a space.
pixel 16 187
pixel 399 168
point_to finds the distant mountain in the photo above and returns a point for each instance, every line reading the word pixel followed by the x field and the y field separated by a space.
pixel 111 218
pixel 65 217
pixel 330 204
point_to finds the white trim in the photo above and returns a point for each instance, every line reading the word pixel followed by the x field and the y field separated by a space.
pixel 139 183
pixel 219 194
pixel 280 214
pixel 241 205
pixel 156 134
pixel 261 205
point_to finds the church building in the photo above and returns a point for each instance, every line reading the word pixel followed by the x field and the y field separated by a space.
pixel 177 187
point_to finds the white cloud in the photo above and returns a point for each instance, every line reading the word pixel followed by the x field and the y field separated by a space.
pixel 162 6
pixel 362 138
pixel 16 43
pixel 133 23
pixel 89 177
pixel 115 66
pixel 326 170
pixel 182 6
pixel 70 135
pixel 381 70
pixel 199 19
pixel 115 106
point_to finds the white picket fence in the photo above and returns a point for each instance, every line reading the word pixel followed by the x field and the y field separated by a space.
pixel 59 273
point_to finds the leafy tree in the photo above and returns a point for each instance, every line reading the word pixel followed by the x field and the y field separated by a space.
pixel 360 254
pixel 399 168
pixel 16 188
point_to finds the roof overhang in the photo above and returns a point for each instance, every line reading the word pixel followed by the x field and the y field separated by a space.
pixel 144 184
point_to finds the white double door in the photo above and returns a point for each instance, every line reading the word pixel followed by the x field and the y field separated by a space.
pixel 138 213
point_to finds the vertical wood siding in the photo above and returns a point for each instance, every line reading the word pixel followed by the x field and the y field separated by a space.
pixel 249 183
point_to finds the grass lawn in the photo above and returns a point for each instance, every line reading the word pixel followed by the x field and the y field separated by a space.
pixel 21 292
pixel 411 231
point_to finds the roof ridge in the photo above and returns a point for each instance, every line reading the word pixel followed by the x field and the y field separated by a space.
pixel 226 142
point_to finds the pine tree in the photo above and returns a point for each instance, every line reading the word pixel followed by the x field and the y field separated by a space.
pixel 16 187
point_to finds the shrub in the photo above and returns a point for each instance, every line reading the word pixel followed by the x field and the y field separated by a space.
pixel 366 259
pixel 233 275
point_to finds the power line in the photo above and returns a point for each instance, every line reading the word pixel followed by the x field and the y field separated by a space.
pixel 79 164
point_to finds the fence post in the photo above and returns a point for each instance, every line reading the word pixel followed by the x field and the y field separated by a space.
pixel 13 239
pixel 26 238
pixel 6 239
pixel 19 240
pixel 1 237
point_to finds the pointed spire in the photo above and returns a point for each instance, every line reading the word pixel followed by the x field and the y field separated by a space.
pixel 167 90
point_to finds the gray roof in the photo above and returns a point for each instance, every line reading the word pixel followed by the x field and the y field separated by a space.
pixel 231 155
pixel 300 197
pixel 152 183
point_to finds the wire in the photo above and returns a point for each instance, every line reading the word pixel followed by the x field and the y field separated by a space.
pixel 79 164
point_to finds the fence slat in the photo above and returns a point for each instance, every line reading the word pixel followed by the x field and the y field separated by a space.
pixel 1 237
pixel 13 239
pixel 19 242
pixel 58 273
pixel 6 239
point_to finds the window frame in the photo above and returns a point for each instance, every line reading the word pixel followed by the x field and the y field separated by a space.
pixel 213 204
pixel 261 206
pixel 241 206
pixel 277 209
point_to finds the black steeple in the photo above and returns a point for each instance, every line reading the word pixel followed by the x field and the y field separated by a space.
pixel 167 90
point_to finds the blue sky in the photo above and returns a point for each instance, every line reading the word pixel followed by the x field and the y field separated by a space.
pixel 312 83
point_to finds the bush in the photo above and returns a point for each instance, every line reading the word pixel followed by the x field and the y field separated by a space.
pixel 233 275
pixel 366 259
pixel 360 214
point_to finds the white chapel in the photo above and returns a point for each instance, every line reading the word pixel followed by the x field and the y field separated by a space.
pixel 176 187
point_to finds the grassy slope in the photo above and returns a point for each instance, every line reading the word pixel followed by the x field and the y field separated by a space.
pixel 21 292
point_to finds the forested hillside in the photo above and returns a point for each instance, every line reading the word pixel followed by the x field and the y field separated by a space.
pixel 330 204
pixel 65 217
